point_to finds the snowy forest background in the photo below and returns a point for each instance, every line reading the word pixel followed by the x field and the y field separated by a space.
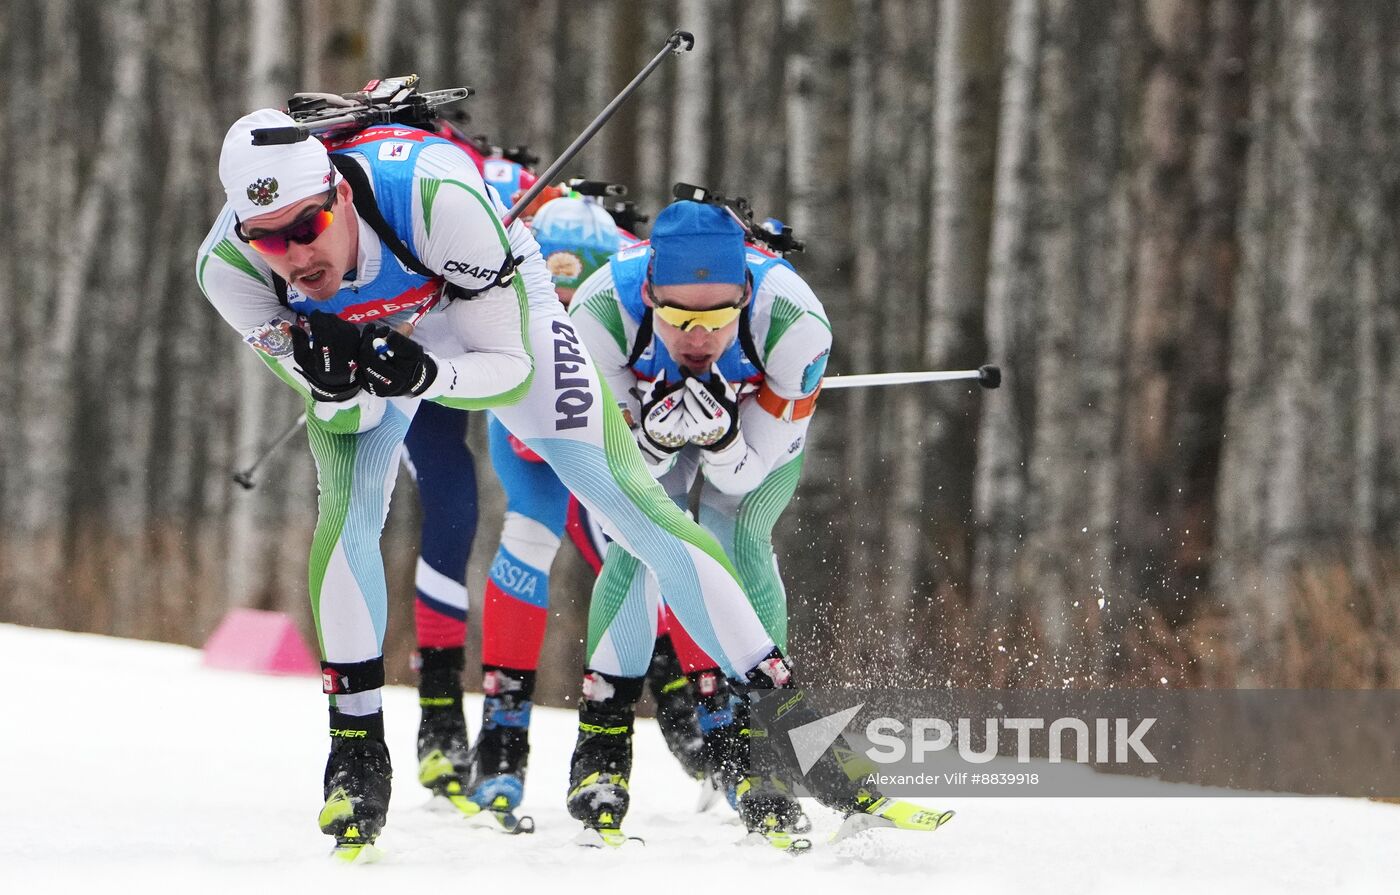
pixel 1173 223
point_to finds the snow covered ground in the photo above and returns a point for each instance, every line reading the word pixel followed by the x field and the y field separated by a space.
pixel 126 766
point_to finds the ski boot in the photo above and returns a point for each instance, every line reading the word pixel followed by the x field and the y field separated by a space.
pixel 772 814
pixel 502 749
pixel 834 777
pixel 676 715
pixel 602 760
pixel 357 785
pixel 444 752
pixel 721 726
pixel 766 804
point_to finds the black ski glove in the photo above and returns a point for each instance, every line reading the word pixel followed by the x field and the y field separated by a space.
pixel 392 364
pixel 326 356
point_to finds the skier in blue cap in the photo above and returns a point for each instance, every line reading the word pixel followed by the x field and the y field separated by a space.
pixel 714 349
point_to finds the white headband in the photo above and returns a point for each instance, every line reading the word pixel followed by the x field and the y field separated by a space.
pixel 263 179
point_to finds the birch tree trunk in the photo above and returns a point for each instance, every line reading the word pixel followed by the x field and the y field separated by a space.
pixel 75 397
pixel 799 181
pixel 43 186
pixel 860 535
pixel 1057 489
pixel 1202 372
pixel 1299 417
pixel 1164 206
pixel 656 121
pixel 125 345
pixel 1265 357
pixel 690 161
pixel 252 529
pixel 10 336
pixel 1002 482
pixel 964 142
pixel 1377 456
pixel 1074 468
pixel 475 45
pixel 904 160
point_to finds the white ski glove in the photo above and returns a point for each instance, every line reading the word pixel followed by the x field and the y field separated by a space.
pixel 714 411
pixel 665 424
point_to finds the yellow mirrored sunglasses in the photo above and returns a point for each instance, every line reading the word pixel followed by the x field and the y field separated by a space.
pixel 712 319
pixel 684 318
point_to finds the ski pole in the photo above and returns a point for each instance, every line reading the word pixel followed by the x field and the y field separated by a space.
pixel 244 477
pixel 679 42
pixel 987 376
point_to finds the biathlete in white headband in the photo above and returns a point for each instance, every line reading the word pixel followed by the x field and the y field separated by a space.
pixel 313 261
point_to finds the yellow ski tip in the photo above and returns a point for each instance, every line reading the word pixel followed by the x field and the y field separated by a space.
pixel 351 854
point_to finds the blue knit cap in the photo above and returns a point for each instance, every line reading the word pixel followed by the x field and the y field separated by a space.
pixel 695 242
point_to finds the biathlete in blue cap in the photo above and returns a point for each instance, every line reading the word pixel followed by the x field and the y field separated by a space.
pixel 714 349
pixel 576 237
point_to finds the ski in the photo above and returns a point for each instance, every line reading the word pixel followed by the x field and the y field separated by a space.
pixel 356 853
pixel 353 847
pixel 507 822
pixel 501 819
pixel 890 814
pixel 605 837
pixel 780 839
pixel 785 832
